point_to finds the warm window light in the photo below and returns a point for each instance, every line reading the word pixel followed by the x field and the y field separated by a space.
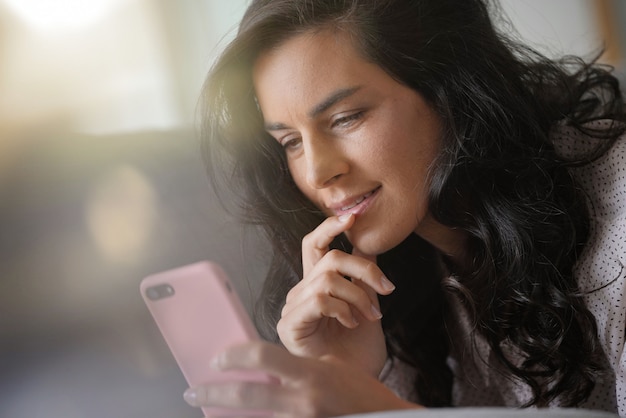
pixel 60 14
pixel 96 66
pixel 120 214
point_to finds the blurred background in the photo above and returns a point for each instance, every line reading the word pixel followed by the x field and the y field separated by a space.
pixel 102 183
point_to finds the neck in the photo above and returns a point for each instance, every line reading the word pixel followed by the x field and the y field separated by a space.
pixel 450 242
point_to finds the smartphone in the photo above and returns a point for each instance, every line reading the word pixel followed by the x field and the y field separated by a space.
pixel 199 313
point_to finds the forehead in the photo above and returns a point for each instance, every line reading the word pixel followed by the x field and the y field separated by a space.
pixel 312 44
pixel 308 66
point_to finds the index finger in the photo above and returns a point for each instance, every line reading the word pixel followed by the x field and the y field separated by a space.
pixel 315 244
pixel 358 253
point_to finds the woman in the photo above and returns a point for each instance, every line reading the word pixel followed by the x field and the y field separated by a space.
pixel 432 194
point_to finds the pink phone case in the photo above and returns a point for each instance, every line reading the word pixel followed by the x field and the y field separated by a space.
pixel 199 314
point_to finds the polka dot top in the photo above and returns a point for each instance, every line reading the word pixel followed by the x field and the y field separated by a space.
pixel 601 275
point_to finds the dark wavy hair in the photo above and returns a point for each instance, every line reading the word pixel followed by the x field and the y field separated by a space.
pixel 498 177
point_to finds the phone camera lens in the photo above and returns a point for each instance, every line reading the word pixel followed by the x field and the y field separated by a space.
pixel 159 291
pixel 152 294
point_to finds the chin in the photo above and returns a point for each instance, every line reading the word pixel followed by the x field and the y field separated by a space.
pixel 372 244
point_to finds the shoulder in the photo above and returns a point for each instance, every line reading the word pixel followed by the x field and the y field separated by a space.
pixel 603 180
pixel 601 268
pixel 603 183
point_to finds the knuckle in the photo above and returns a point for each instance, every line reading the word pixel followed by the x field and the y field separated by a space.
pixel 260 354
pixel 239 393
pixel 371 268
pixel 282 328
pixel 308 239
pixel 331 310
pixel 290 295
pixel 334 255
pixel 204 395
pixel 325 282
pixel 320 301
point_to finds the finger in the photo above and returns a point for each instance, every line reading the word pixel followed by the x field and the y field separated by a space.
pixel 240 398
pixel 305 321
pixel 357 268
pixel 385 283
pixel 358 253
pixel 262 356
pixel 331 296
pixel 371 296
pixel 315 244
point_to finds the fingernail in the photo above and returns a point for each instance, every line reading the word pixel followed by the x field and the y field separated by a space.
pixel 376 312
pixel 344 217
pixel 386 284
pixel 191 397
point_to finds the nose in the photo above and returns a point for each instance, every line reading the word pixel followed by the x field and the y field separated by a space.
pixel 325 162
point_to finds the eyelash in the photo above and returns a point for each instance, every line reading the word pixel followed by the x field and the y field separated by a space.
pixel 290 143
pixel 346 120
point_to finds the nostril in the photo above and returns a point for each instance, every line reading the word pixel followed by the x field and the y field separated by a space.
pixel 333 179
pixel 319 180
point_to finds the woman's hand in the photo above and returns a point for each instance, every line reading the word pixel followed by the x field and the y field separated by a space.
pixel 329 317
pixel 306 387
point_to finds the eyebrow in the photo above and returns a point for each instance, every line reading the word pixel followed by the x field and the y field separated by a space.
pixel 321 107
pixel 331 100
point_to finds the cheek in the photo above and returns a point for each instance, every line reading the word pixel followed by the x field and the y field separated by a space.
pixel 298 174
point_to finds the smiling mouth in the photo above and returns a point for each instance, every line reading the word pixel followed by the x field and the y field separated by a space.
pixel 359 204
pixel 359 200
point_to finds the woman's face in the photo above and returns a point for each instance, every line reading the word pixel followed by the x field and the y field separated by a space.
pixel 356 140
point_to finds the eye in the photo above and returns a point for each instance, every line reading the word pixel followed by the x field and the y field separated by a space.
pixel 291 143
pixel 347 120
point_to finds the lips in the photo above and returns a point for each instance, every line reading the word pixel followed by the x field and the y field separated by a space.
pixel 357 205
pixel 356 202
